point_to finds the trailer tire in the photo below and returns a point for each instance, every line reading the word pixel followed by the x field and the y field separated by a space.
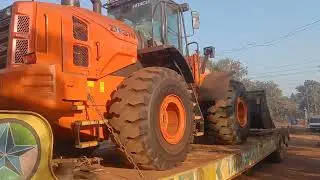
pixel 279 154
pixel 152 113
pixel 229 123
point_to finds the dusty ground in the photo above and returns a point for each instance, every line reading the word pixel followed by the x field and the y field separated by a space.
pixel 302 161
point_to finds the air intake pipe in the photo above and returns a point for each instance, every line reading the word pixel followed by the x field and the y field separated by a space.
pixel 96 5
pixel 75 3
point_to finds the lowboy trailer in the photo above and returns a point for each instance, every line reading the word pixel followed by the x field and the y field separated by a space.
pixel 213 162
pixel 71 79
pixel 29 137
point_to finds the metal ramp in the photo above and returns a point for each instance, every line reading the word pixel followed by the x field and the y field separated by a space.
pixel 259 113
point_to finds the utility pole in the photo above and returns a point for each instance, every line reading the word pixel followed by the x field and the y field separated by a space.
pixel 314 99
pixel 316 94
pixel 306 116
pixel 307 96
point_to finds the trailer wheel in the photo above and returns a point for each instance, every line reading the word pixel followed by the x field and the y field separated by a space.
pixel 279 155
pixel 229 123
pixel 152 113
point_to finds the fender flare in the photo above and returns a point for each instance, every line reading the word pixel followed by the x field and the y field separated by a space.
pixel 166 56
pixel 215 86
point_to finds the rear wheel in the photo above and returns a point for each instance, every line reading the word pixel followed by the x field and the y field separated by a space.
pixel 152 113
pixel 279 155
pixel 229 123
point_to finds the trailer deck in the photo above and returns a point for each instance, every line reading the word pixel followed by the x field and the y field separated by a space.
pixel 204 162
pixel 207 161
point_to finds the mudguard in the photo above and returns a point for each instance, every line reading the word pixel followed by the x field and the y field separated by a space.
pixel 215 86
pixel 166 55
pixel 26 142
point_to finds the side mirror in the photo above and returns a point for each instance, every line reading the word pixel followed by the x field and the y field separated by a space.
pixel 195 20
pixel 209 51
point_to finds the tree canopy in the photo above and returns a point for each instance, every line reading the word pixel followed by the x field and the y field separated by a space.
pixel 308 97
pixel 281 107
pixel 228 64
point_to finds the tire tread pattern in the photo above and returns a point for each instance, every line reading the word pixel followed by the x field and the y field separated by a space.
pixel 221 124
pixel 129 114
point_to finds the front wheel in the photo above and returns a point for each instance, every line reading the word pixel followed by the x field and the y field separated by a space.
pixel 229 123
pixel 153 116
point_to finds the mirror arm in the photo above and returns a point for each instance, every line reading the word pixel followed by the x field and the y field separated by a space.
pixel 196 43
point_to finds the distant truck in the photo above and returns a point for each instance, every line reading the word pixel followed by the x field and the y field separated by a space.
pixel 314 122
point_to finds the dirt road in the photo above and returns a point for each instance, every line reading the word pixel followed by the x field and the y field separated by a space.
pixel 302 161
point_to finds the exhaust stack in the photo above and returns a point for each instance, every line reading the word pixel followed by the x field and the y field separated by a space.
pixel 75 3
pixel 96 5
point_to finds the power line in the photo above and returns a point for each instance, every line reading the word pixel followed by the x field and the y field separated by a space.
pixel 283 70
pixel 274 41
pixel 285 74
pixel 288 65
pixel 292 82
pixel 260 66
pixel 284 67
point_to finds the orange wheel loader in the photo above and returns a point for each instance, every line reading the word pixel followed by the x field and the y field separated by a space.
pixel 129 76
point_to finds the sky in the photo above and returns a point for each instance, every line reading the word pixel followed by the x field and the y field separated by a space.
pixel 231 25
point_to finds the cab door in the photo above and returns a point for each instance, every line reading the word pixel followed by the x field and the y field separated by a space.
pixel 173 26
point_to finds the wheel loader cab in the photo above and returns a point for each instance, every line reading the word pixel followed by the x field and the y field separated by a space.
pixel 161 31
pixel 157 22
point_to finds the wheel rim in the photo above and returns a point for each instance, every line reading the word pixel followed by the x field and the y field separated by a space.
pixel 172 119
pixel 242 112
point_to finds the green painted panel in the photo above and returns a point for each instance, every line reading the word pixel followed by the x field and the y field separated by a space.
pixel 22 135
pixel 7 174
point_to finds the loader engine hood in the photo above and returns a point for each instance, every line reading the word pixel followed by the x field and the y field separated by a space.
pixel 49 51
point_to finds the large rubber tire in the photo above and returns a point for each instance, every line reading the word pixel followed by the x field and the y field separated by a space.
pixel 135 116
pixel 280 153
pixel 222 125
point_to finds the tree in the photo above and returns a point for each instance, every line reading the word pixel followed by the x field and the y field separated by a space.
pixel 230 65
pixel 308 96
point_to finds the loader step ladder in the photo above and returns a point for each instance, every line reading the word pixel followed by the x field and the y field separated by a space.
pixel 199 119
pixel 95 125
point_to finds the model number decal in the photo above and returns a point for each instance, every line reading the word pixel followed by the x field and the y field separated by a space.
pixel 141 4
pixel 119 30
